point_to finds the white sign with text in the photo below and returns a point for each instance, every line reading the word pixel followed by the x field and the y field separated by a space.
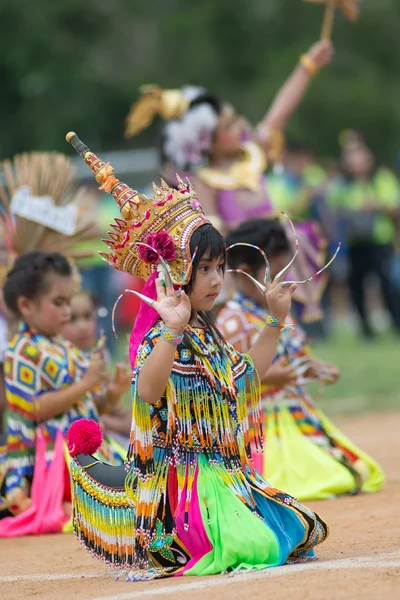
pixel 42 210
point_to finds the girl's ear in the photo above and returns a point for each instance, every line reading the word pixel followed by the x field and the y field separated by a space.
pixel 24 306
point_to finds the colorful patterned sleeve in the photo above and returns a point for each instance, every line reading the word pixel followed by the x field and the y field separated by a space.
pixel 22 379
pixel 29 372
pixel 292 340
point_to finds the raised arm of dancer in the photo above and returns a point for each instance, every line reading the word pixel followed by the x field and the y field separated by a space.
pixel 263 350
pixel 154 375
pixel 293 90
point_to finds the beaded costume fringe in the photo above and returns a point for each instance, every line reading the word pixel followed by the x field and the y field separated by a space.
pixel 222 408
pixel 208 414
pixel 103 518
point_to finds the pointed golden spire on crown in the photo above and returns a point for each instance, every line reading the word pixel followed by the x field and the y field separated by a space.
pixel 126 198
pixel 164 186
pixel 166 222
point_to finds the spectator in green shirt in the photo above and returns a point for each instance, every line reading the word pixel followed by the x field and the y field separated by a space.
pixel 368 199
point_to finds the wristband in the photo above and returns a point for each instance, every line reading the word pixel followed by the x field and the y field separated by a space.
pixel 274 322
pixel 309 64
pixel 170 337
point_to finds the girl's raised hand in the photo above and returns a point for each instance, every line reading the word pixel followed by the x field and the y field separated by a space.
pixel 321 53
pixel 173 307
pixel 279 299
pixel 330 374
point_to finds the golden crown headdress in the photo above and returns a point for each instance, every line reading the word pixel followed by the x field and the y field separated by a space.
pixel 165 222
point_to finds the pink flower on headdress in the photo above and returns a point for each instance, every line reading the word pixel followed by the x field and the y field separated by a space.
pixel 148 256
pixel 163 243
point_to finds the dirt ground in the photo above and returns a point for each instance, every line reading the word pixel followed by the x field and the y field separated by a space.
pixel 360 559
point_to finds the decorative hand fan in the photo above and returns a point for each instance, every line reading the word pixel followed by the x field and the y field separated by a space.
pixel 350 9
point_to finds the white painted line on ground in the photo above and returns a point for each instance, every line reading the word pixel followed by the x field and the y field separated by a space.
pixel 380 561
pixel 52 576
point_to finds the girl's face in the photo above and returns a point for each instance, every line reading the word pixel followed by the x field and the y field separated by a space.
pixel 208 283
pixel 50 312
pixel 229 133
pixel 81 330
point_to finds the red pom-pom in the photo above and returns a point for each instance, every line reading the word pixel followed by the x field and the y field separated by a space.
pixel 84 437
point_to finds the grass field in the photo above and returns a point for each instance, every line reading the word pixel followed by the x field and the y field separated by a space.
pixel 370 372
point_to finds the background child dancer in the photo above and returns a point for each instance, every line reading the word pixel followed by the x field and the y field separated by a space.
pixel 203 137
pixel 304 452
pixel 26 180
pixel 82 331
pixel 48 386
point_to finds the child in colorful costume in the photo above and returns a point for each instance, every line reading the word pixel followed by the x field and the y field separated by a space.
pixel 226 161
pixel 49 385
pixel 191 502
pixel 41 208
pixel 81 331
pixel 304 452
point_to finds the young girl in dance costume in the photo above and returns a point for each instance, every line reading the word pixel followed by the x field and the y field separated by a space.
pixel 49 385
pixel 226 160
pixel 304 453
pixel 191 502
pixel 82 331
pixel 29 222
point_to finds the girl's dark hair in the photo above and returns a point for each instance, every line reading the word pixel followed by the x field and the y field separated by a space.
pixel 267 234
pixel 28 276
pixel 209 242
pixel 208 98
